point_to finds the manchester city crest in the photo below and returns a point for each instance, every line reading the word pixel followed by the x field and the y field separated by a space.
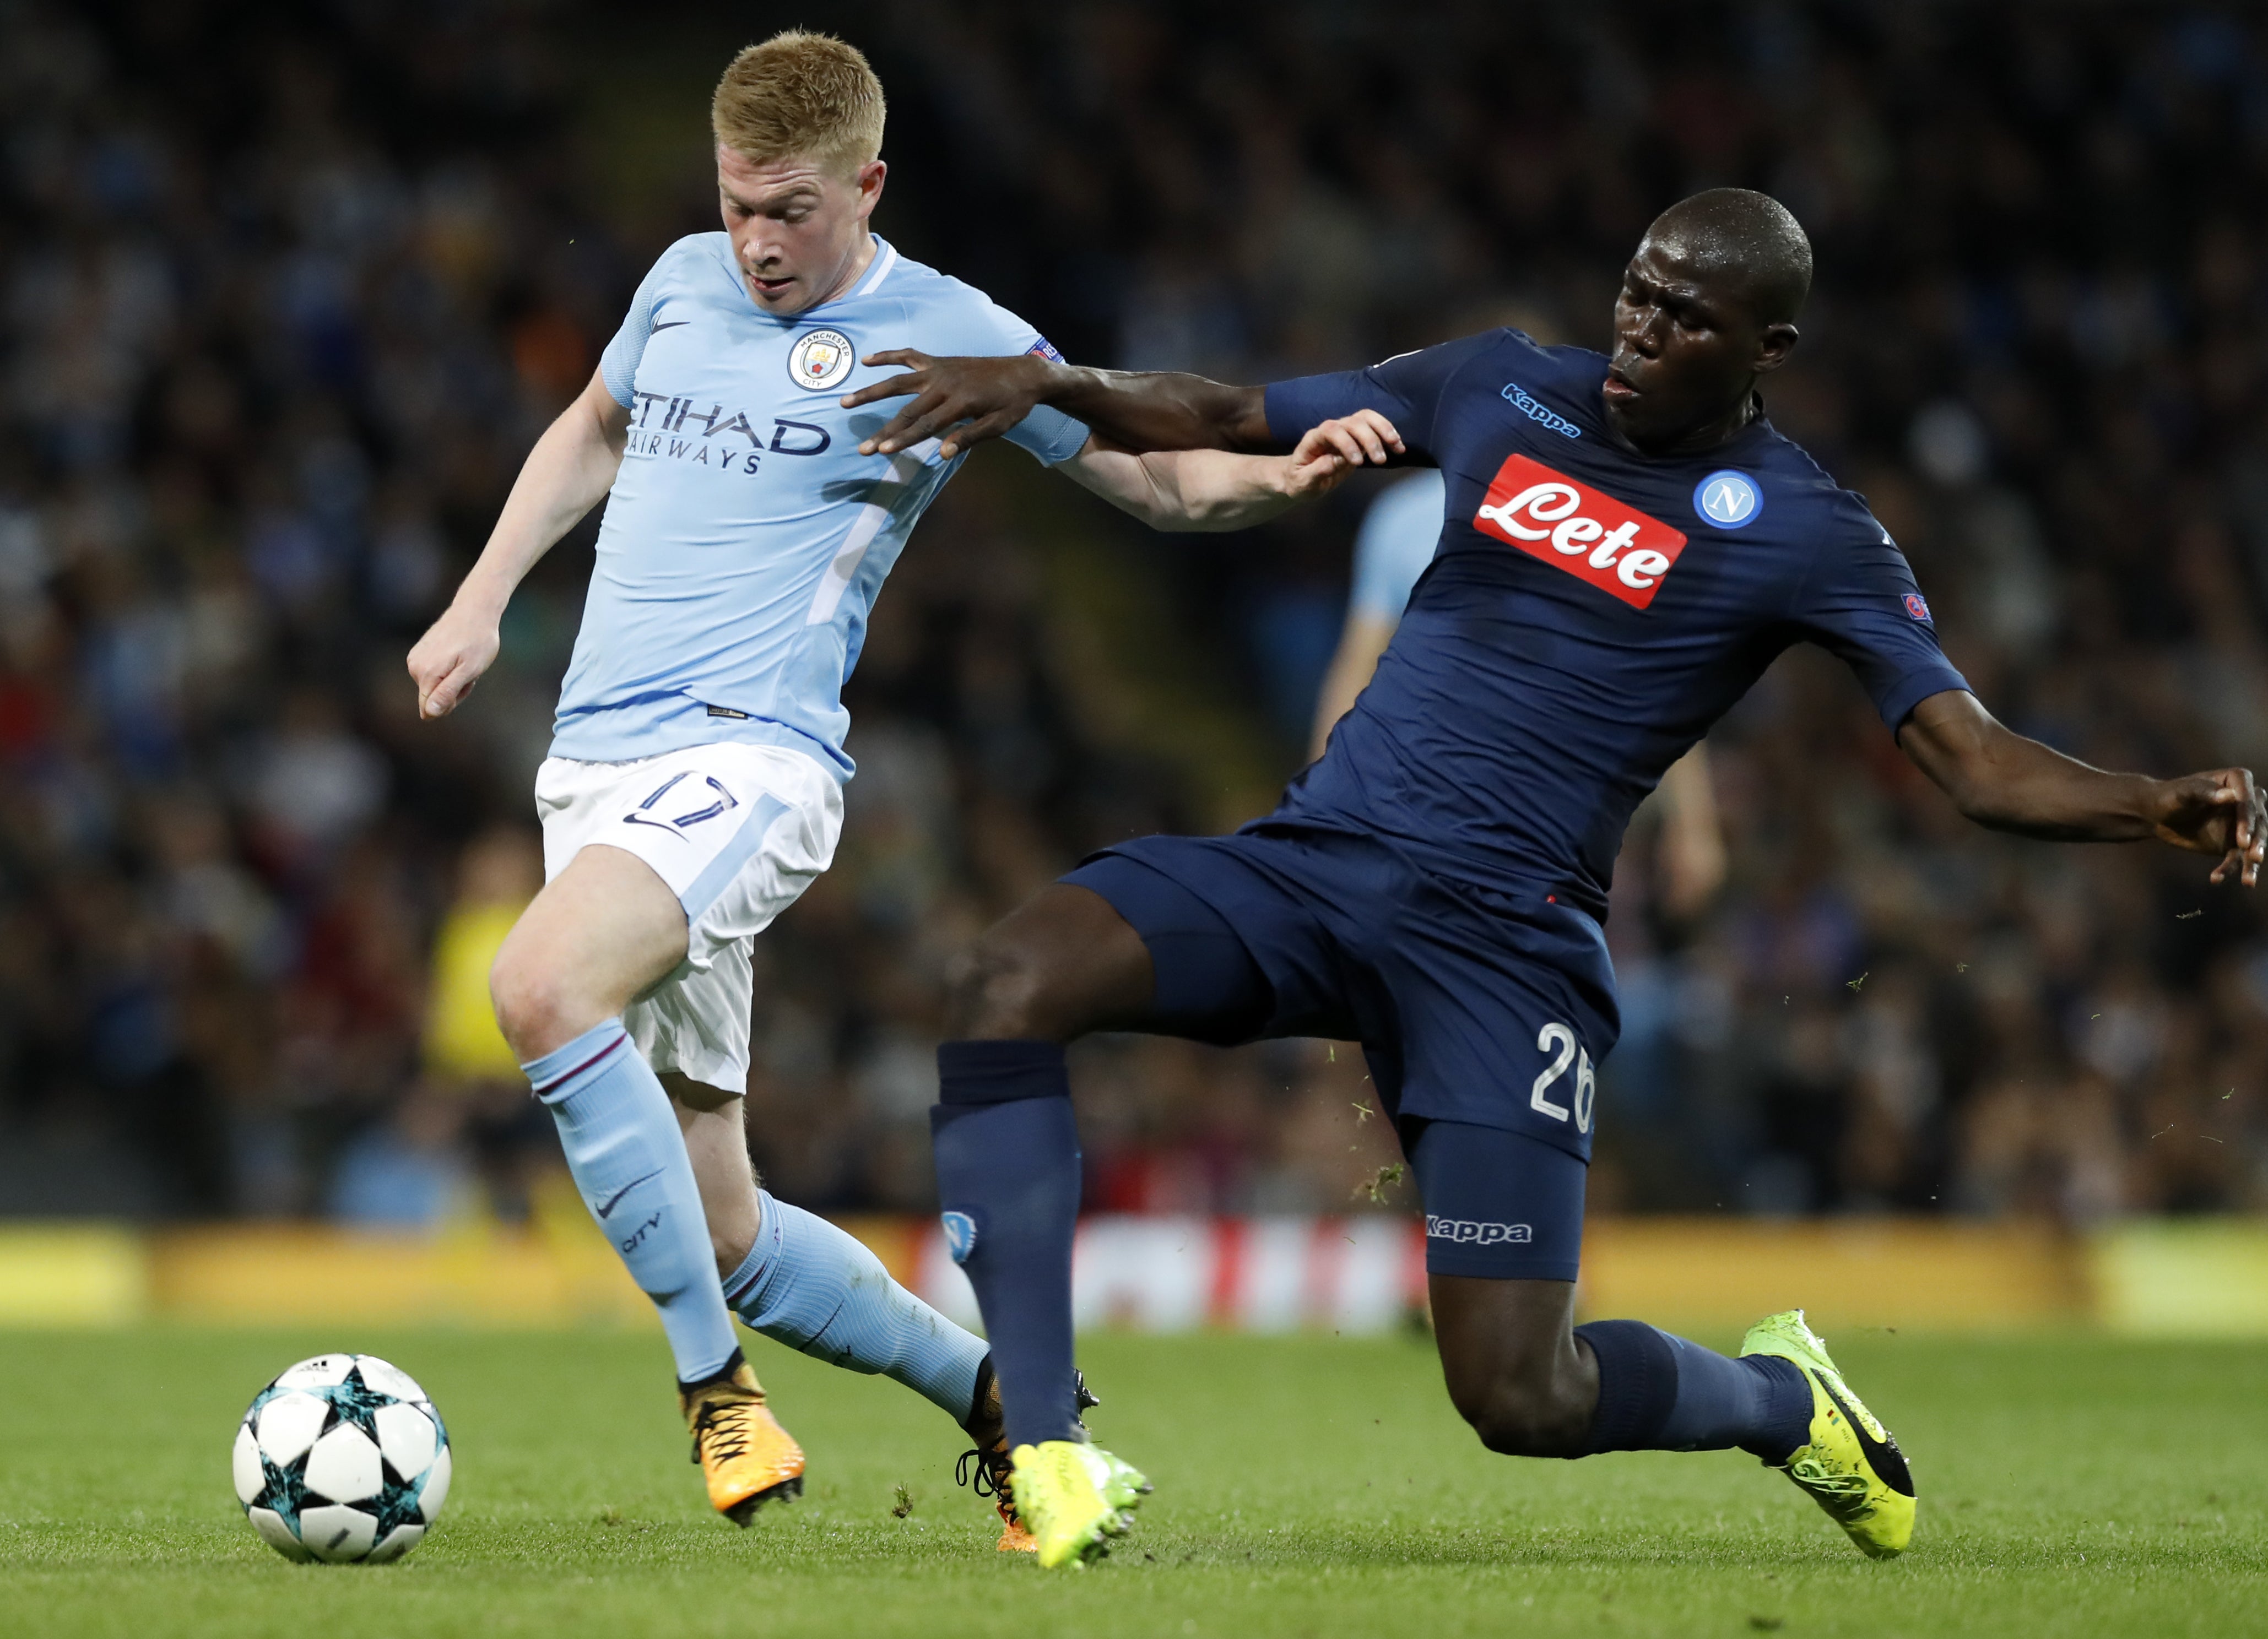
pixel 821 359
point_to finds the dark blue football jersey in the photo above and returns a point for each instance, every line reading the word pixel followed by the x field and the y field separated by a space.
pixel 1591 610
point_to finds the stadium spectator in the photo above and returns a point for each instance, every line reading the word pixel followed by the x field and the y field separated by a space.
pixel 479 1093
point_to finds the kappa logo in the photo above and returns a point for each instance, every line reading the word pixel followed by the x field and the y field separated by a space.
pixel 1517 396
pixel 1470 1232
pixel 821 359
pixel 1594 537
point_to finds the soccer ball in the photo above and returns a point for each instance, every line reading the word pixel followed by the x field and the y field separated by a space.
pixel 342 1459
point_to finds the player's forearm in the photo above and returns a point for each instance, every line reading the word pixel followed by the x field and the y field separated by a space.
pixel 1159 410
pixel 2001 780
pixel 1212 490
pixel 2043 794
pixel 568 473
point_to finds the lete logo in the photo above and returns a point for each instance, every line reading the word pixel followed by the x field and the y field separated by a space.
pixel 1592 536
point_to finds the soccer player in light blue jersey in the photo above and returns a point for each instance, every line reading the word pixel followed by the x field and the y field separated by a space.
pixel 693 788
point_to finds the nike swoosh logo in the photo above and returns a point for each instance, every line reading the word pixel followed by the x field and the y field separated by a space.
pixel 670 325
pixel 1882 1456
pixel 608 1206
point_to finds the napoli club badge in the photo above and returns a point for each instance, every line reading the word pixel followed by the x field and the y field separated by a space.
pixel 821 359
pixel 1728 499
pixel 959 1235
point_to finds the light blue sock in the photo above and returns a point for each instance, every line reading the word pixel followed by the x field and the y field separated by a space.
pixel 809 1285
pixel 629 1159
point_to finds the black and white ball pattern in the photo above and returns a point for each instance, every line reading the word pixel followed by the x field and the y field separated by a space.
pixel 343 1458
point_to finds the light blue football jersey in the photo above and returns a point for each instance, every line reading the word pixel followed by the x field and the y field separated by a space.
pixel 1395 543
pixel 745 536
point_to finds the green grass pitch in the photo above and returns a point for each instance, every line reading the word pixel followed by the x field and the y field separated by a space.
pixel 1306 1486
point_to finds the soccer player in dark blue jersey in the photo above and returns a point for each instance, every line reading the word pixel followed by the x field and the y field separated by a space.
pixel 1627 544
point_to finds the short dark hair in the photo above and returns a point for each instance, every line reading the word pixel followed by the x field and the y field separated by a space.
pixel 1749 240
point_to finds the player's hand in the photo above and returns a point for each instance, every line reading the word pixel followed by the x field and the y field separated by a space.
pixel 959 401
pixel 449 660
pixel 2220 812
pixel 1332 449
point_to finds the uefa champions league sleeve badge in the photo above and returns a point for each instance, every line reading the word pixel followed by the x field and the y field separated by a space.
pixel 821 359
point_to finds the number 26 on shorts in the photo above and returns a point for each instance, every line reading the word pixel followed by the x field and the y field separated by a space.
pixel 1560 1040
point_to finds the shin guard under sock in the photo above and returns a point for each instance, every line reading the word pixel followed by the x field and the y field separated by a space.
pixel 818 1289
pixel 1662 1393
pixel 629 1160
pixel 1007 1177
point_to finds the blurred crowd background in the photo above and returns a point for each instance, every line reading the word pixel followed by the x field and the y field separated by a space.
pixel 287 290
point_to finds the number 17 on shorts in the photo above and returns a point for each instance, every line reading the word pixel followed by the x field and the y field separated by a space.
pixel 736 831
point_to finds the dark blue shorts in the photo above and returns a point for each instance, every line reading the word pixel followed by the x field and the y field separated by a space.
pixel 1473 1007
pixel 1500 1206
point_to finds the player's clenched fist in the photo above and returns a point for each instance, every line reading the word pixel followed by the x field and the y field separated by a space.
pixel 1330 450
pixel 449 660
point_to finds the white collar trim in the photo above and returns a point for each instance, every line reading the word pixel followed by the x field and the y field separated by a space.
pixel 886 258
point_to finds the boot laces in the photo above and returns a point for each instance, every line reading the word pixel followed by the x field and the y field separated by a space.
pixel 718 1426
pixel 987 1472
pixel 1841 1493
pixel 990 1475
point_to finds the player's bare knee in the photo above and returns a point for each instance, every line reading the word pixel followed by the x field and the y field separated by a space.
pixel 1524 1427
pixel 1515 1416
pixel 995 992
pixel 534 1005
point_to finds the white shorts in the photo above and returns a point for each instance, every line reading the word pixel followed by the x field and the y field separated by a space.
pixel 738 832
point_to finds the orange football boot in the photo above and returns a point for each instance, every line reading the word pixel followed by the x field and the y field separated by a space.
pixel 745 1455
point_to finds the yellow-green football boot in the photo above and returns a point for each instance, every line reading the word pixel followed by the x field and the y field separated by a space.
pixel 1852 1467
pixel 1074 1497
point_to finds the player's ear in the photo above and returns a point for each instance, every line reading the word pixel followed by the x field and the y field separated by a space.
pixel 870 185
pixel 1773 346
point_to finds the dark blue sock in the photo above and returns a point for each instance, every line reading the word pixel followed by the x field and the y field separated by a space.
pixel 1007 1182
pixel 1662 1393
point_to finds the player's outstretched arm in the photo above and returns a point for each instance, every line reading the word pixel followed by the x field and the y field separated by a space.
pixel 1999 778
pixel 963 401
pixel 1213 489
pixel 572 464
